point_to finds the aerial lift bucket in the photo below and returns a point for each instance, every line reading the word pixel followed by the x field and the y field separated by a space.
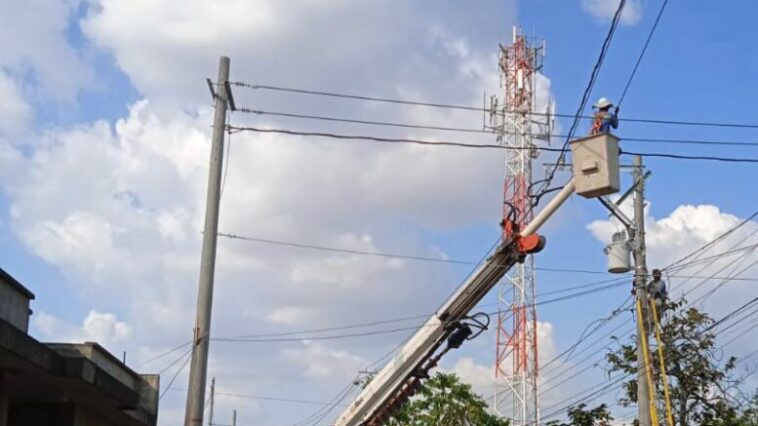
pixel 596 165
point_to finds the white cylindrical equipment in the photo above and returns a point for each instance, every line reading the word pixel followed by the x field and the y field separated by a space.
pixel 618 252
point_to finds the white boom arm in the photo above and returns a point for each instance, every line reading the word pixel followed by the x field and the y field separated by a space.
pixel 389 381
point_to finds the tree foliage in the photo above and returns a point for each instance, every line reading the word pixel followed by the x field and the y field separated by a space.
pixel 700 384
pixel 581 416
pixel 701 381
pixel 443 400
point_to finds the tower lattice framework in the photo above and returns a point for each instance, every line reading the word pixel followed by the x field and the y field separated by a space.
pixel 516 362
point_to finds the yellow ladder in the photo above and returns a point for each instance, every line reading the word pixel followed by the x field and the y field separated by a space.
pixel 648 373
pixel 656 325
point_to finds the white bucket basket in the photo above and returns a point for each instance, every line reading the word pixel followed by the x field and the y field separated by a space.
pixel 596 165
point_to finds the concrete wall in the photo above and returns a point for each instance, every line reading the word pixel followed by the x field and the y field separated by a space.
pixel 14 306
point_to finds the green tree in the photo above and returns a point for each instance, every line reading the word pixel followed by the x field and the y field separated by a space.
pixel 699 383
pixel 443 400
pixel 581 416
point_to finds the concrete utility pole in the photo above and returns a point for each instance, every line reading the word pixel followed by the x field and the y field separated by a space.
pixel 193 415
pixel 234 418
pixel 640 284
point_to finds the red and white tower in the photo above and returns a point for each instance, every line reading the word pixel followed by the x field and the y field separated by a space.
pixel 517 127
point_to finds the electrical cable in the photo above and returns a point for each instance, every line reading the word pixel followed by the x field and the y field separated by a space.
pixel 586 335
pixel 228 152
pixel 710 244
pixel 715 240
pixel 163 354
pixel 433 259
pixel 744 330
pixel 261 397
pixel 485 131
pixel 188 356
pixel 644 49
pixel 344 391
pixel 587 92
pixel 484 110
pixel 275 337
pixel 477 146
pixel 691 157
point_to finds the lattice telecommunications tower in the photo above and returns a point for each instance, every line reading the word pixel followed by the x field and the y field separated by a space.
pixel 517 126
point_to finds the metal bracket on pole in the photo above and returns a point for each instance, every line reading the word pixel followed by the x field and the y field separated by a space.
pixel 229 96
pixel 632 188
pixel 210 87
pixel 616 211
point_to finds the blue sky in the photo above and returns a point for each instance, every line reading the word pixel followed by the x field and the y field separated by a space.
pixel 137 124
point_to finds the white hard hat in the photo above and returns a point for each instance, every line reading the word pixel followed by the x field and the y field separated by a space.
pixel 603 103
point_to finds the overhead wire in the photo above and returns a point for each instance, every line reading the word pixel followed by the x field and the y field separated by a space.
pixel 480 109
pixel 481 130
pixel 329 406
pixel 271 338
pixel 163 354
pixel 697 252
pixel 325 248
pixel 642 53
pixel 187 356
pixel 714 241
pixel 261 397
pixel 618 381
pixel 586 94
pixel 378 139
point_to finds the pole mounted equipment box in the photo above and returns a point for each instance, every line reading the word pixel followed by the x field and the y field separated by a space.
pixel 596 165
pixel 619 254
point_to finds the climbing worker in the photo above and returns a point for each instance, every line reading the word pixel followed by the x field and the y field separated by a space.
pixel 657 292
pixel 603 119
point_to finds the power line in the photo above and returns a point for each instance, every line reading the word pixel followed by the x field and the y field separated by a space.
pixel 273 337
pixel 476 146
pixel 711 327
pixel 368 122
pixel 330 405
pixel 188 356
pixel 163 354
pixel 262 397
pixel 442 260
pixel 483 131
pixel 692 157
pixel 678 262
pixel 480 109
pixel 713 242
pixel 644 49
pixel 587 91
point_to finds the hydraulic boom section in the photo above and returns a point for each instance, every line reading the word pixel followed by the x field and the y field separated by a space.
pixel 402 375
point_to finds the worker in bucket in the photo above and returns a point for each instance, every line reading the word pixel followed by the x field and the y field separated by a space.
pixel 604 119
pixel 657 292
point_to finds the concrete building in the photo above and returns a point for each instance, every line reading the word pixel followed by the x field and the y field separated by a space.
pixel 64 384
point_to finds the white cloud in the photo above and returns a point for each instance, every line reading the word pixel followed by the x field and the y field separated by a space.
pixel 319 361
pixel 289 315
pixel 33 38
pixel 101 327
pixel 605 9
pixel 15 113
pixel 672 237
pixel 479 376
